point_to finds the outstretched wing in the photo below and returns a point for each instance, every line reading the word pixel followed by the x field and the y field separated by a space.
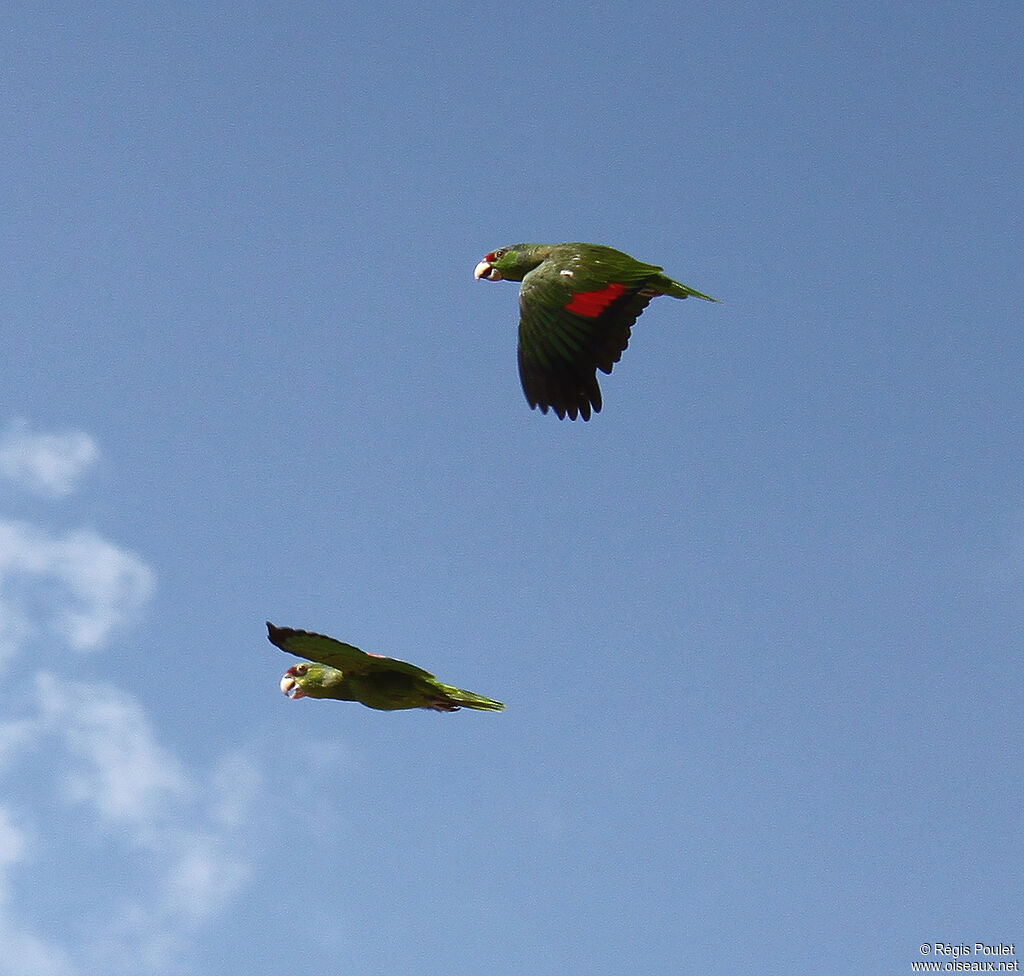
pixel 573 323
pixel 335 654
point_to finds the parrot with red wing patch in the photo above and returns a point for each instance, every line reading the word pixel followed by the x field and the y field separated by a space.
pixel 577 304
pixel 341 671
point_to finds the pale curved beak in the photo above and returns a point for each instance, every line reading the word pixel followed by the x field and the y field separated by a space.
pixel 292 688
pixel 485 270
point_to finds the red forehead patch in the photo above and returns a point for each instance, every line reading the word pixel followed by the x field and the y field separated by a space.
pixel 590 304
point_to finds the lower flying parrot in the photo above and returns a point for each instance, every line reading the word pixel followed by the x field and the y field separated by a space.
pixel 577 304
pixel 344 672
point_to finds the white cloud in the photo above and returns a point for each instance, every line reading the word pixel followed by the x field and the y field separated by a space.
pixel 12 841
pixel 132 849
pixel 180 841
pixel 21 952
pixel 15 735
pixel 76 586
pixel 203 877
pixel 27 955
pixel 50 465
pixel 116 766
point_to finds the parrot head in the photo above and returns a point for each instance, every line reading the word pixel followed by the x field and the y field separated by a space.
pixel 508 263
pixel 308 680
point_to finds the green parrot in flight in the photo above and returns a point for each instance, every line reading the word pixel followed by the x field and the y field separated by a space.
pixel 577 304
pixel 344 672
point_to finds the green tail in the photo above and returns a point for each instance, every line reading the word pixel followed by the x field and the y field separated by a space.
pixel 669 287
pixel 466 699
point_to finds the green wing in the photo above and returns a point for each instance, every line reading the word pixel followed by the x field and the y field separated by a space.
pixel 335 654
pixel 572 325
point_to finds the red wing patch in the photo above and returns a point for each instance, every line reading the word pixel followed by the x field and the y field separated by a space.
pixel 590 304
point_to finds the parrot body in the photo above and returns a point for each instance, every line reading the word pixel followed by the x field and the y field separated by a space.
pixel 341 671
pixel 577 305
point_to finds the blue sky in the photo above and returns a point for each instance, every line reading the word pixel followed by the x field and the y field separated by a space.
pixel 757 624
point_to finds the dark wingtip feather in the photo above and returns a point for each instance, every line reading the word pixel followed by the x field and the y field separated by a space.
pixel 277 635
